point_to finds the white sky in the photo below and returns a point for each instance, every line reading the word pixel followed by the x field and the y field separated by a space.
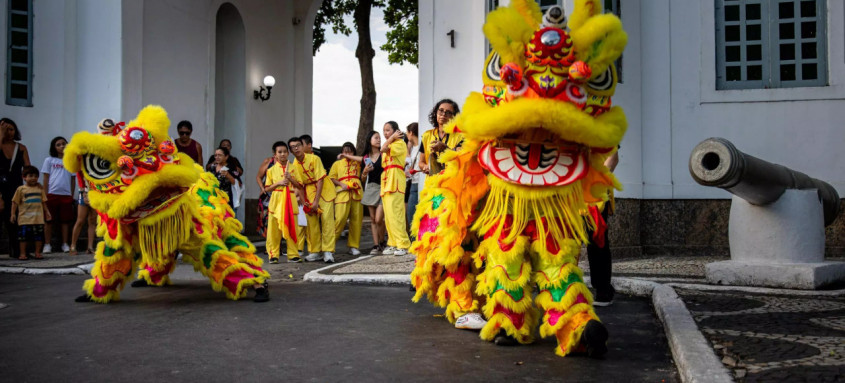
pixel 337 87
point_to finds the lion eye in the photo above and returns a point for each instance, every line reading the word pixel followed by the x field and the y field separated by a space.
pixel 494 67
pixel 603 81
pixel 97 167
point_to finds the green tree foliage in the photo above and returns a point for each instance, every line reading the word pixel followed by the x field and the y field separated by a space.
pixel 403 37
pixel 402 43
pixel 400 16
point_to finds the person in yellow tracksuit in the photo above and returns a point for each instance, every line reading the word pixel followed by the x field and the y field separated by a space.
pixel 436 140
pixel 346 175
pixel 394 150
pixel 318 201
pixel 283 207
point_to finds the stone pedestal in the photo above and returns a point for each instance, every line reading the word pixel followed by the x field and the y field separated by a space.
pixel 777 245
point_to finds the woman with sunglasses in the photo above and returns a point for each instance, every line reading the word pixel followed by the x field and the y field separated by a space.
pixel 186 144
pixel 436 140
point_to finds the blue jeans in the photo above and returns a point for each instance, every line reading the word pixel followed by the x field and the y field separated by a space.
pixel 413 200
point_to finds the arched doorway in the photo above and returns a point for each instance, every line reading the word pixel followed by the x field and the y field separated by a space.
pixel 230 81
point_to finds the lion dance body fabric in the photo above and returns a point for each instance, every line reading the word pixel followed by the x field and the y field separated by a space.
pixel 508 212
pixel 153 202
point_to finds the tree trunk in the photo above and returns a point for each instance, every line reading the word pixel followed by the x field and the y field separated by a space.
pixel 365 53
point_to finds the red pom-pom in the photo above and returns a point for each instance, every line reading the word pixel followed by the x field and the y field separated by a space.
pixel 580 72
pixel 512 75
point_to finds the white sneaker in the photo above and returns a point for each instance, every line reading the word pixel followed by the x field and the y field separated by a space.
pixel 388 250
pixel 327 257
pixel 313 257
pixel 399 252
pixel 354 251
pixel 65 248
pixel 47 249
pixel 471 321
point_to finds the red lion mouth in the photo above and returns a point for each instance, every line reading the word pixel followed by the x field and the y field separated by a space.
pixel 159 199
pixel 532 163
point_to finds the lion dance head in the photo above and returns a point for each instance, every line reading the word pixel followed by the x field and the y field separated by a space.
pixel 132 171
pixel 544 119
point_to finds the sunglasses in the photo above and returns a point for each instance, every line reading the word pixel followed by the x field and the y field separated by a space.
pixel 447 113
pixel 184 133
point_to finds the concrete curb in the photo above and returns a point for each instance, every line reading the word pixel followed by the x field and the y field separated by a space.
pixel 695 359
pixel 76 270
pixel 320 276
pixel 693 355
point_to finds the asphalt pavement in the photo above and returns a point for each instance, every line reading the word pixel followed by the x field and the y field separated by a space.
pixel 307 332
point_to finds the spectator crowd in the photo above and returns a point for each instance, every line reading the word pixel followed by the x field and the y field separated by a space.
pixel 301 203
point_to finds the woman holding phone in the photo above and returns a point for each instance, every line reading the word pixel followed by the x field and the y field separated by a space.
pixel 371 160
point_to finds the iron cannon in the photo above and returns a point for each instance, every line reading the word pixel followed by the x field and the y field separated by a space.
pixel 717 162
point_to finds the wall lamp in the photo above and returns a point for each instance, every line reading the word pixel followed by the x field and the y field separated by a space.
pixel 269 81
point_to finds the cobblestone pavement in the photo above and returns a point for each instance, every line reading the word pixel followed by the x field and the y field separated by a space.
pixel 773 337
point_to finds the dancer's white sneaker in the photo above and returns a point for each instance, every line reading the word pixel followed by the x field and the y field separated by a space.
pixel 471 321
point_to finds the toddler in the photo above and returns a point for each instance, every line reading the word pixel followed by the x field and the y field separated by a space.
pixel 29 209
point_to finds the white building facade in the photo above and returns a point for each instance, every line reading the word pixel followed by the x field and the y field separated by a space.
pixel 200 59
pixel 71 63
pixel 768 75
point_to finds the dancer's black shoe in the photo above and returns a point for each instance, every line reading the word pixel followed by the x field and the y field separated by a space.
pixel 262 294
pixel 503 339
pixel 594 339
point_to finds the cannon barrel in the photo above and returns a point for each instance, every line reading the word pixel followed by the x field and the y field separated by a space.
pixel 717 162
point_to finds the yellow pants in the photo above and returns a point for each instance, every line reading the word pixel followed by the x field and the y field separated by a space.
pixel 394 219
pixel 275 235
pixel 354 211
pixel 317 225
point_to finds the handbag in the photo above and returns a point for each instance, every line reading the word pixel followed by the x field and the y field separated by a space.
pixel 5 177
pixel 237 194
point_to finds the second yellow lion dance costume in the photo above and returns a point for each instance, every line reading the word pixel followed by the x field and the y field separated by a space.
pixel 535 142
pixel 154 201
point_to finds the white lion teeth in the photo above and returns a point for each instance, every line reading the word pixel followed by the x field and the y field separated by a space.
pixel 501 154
pixel 506 165
pixel 514 174
pixel 564 159
pixel 550 178
pixel 560 170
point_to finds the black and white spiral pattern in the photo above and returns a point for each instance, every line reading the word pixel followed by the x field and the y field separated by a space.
pixel 494 67
pixel 97 167
pixel 603 81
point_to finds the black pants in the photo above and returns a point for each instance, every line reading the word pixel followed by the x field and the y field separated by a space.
pixel 601 267
pixel 11 228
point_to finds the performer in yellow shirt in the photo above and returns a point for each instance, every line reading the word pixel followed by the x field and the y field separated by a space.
pixel 394 150
pixel 283 207
pixel 436 140
pixel 319 195
pixel 346 175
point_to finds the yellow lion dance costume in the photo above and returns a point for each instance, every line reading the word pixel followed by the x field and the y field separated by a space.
pixel 153 202
pixel 517 192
